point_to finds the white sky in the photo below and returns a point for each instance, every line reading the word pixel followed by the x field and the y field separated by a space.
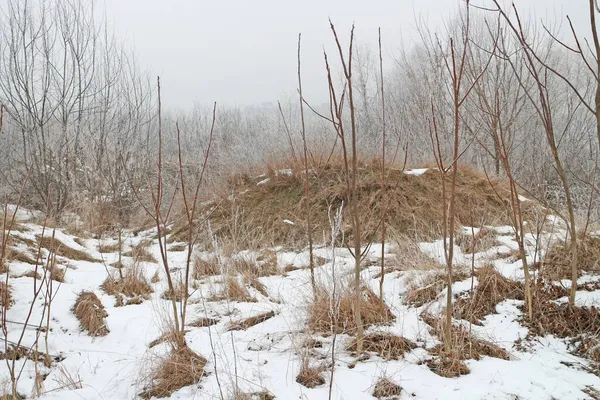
pixel 243 52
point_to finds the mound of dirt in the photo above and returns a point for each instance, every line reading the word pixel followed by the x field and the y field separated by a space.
pixel 269 210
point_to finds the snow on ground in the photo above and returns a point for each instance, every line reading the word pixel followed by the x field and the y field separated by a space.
pixel 267 355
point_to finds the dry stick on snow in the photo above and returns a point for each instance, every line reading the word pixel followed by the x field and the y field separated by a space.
pixel 306 177
pixel 190 212
pixel 383 200
pixel 544 112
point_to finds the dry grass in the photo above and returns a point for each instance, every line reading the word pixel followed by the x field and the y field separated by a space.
pixel 108 248
pixel 428 289
pixel 140 253
pixel 178 247
pixel 60 249
pixel 206 267
pixel 6 299
pixel 91 314
pixel 262 395
pixel 557 263
pixel 181 368
pixel 155 278
pixel 310 377
pixel 408 256
pixel 386 388
pixel 254 283
pixel 14 254
pixel 385 345
pixel 57 273
pixel 483 240
pixel 178 293
pixel 134 283
pixel 448 367
pixel 463 346
pixel 492 288
pixel 250 322
pixel 32 274
pixel 414 208
pixel 234 290
pixel 247 265
pixel 373 311
pixel 204 322
pixel 170 337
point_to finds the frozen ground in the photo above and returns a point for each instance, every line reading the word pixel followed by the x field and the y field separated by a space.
pixel 266 356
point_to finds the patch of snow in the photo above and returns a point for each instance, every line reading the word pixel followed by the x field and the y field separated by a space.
pixel 416 172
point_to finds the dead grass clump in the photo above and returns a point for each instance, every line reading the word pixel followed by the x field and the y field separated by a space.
pixel 319 313
pixel 235 291
pixel 250 322
pixel 310 377
pixel 557 263
pixel 108 248
pixel 408 256
pixel 386 388
pixel 257 285
pixel 170 337
pixel 32 274
pixel 57 273
pixel 178 247
pixel 19 256
pixel 463 346
pixel 206 267
pixel 155 278
pixel 204 322
pixel 62 250
pixel 484 239
pixel 178 293
pixel 282 197
pixel 91 314
pixel 430 288
pixel 448 367
pixel 247 265
pixel 560 320
pixel 140 253
pixel 181 368
pixel 385 345
pixel 5 295
pixel 492 288
pixel 133 284
pixel 589 348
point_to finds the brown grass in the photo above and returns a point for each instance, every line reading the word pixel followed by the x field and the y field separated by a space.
pixel 408 256
pixel 179 289
pixel 464 346
pixel 16 255
pixel 415 208
pixel 448 367
pixel 310 377
pixel 206 267
pixel 57 273
pixel 60 249
pixel 492 288
pixel 140 253
pixel 6 299
pixel 386 388
pixel 178 247
pixel 32 274
pixel 235 291
pixel 254 283
pixel 108 248
pixel 428 290
pixel 483 240
pixel 155 278
pixel 181 368
pixel 133 284
pixel 204 322
pixel 373 312
pixel 91 314
pixel 557 263
pixel 385 345
pixel 170 337
pixel 247 265
pixel 250 322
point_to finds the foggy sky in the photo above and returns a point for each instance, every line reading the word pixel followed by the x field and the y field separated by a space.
pixel 243 52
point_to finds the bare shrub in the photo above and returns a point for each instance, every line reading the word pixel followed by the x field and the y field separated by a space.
pixel 320 318
pixel 386 388
pixel 91 314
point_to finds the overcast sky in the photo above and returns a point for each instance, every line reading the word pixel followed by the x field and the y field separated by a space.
pixel 243 52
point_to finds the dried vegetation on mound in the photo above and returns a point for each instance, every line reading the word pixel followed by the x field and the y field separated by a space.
pixel 62 250
pixel 427 290
pixel 385 388
pixel 133 284
pixel 385 345
pixel 259 210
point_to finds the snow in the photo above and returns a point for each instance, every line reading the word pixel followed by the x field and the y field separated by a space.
pixel 416 172
pixel 268 355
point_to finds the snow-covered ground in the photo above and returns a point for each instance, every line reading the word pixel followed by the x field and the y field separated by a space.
pixel 267 356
